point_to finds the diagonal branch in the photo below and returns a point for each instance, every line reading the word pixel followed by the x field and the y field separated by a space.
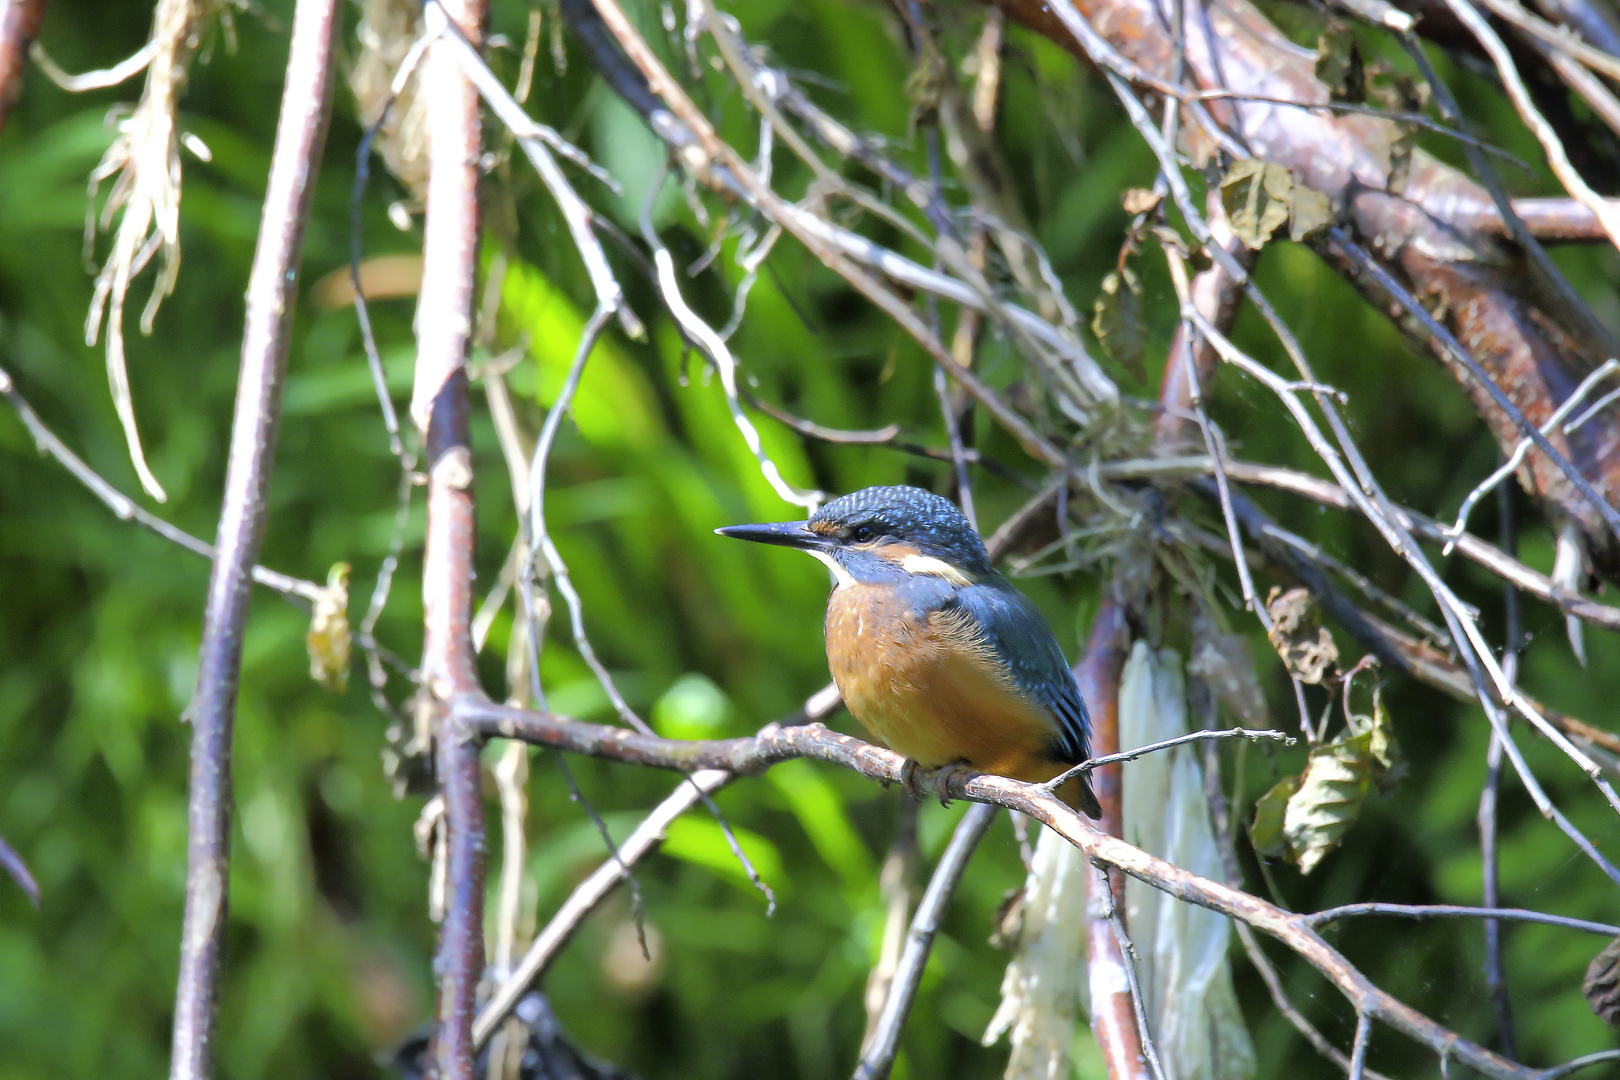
pixel 879 1054
pixel 775 743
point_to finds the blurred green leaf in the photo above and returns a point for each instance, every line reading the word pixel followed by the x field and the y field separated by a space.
pixel 693 708
pixel 701 842
pixel 1266 828
pixel 824 817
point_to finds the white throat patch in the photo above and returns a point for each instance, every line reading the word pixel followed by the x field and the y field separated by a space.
pixel 841 576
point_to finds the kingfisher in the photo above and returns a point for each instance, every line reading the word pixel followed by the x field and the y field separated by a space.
pixel 936 654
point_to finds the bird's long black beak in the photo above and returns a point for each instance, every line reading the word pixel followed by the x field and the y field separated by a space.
pixel 793 534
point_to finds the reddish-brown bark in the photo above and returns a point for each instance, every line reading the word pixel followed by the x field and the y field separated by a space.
pixel 1423 222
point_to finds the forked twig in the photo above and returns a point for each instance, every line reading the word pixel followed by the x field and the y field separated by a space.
pixel 1166 744
pixel 1507 468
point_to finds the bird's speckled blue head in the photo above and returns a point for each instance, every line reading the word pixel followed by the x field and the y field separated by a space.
pixel 881 533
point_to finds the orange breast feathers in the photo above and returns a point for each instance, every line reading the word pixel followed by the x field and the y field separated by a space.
pixel 930 688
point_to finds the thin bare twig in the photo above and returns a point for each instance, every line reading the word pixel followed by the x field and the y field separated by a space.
pixel 1166 744
pixel 704 154
pixel 589 894
pixel 1557 1072
pixel 719 353
pixel 1452 911
pixel 1556 37
pixel 1557 158
pixel 1490 792
pixel 514 920
pixel 271 290
pixel 12 863
pixel 537 141
pixel 127 509
pixel 1486 555
pixel 1225 823
pixel 1345 459
pixel 1358 1049
pixel 878 1056
pixel 1116 922
pixel 1458 618
pixel 897 882
pixel 1554 422
pixel 1214 445
pixel 1113 1007
pixel 812 430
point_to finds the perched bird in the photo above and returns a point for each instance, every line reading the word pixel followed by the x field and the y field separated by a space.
pixel 934 651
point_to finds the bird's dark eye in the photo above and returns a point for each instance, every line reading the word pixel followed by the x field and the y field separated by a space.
pixel 862 533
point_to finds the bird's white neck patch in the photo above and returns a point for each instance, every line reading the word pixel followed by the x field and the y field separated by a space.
pixel 927 564
pixel 841 576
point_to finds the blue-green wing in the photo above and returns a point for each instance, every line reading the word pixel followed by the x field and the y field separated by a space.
pixel 1015 631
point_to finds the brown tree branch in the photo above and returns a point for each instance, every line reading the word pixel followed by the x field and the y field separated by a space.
pixel 1532 351
pixel 1555 219
pixel 439 406
pixel 300 134
pixel 775 743
pixel 1113 1010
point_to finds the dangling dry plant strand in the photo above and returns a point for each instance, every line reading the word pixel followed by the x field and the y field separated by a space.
pixel 145 157
pixel 387 32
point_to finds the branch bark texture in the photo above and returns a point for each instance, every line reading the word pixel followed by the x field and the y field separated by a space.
pixel 300 135
pixel 440 408
pixel 1411 211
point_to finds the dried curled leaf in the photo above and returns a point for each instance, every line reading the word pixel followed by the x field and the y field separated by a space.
pixel 1140 200
pixel 1304 817
pixel 1339 66
pixel 1117 320
pixel 1298 635
pixel 1331 793
pixel 384 35
pixel 329 640
pixel 1255 194
pixel 1380 732
pixel 1602 984
pixel 1309 211
pixel 926 88
pixel 1260 197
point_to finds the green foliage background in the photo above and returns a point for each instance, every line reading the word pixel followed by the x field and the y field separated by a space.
pixel 330 943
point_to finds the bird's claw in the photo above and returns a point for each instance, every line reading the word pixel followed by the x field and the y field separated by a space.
pixel 908 778
pixel 940 784
pixel 937 785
